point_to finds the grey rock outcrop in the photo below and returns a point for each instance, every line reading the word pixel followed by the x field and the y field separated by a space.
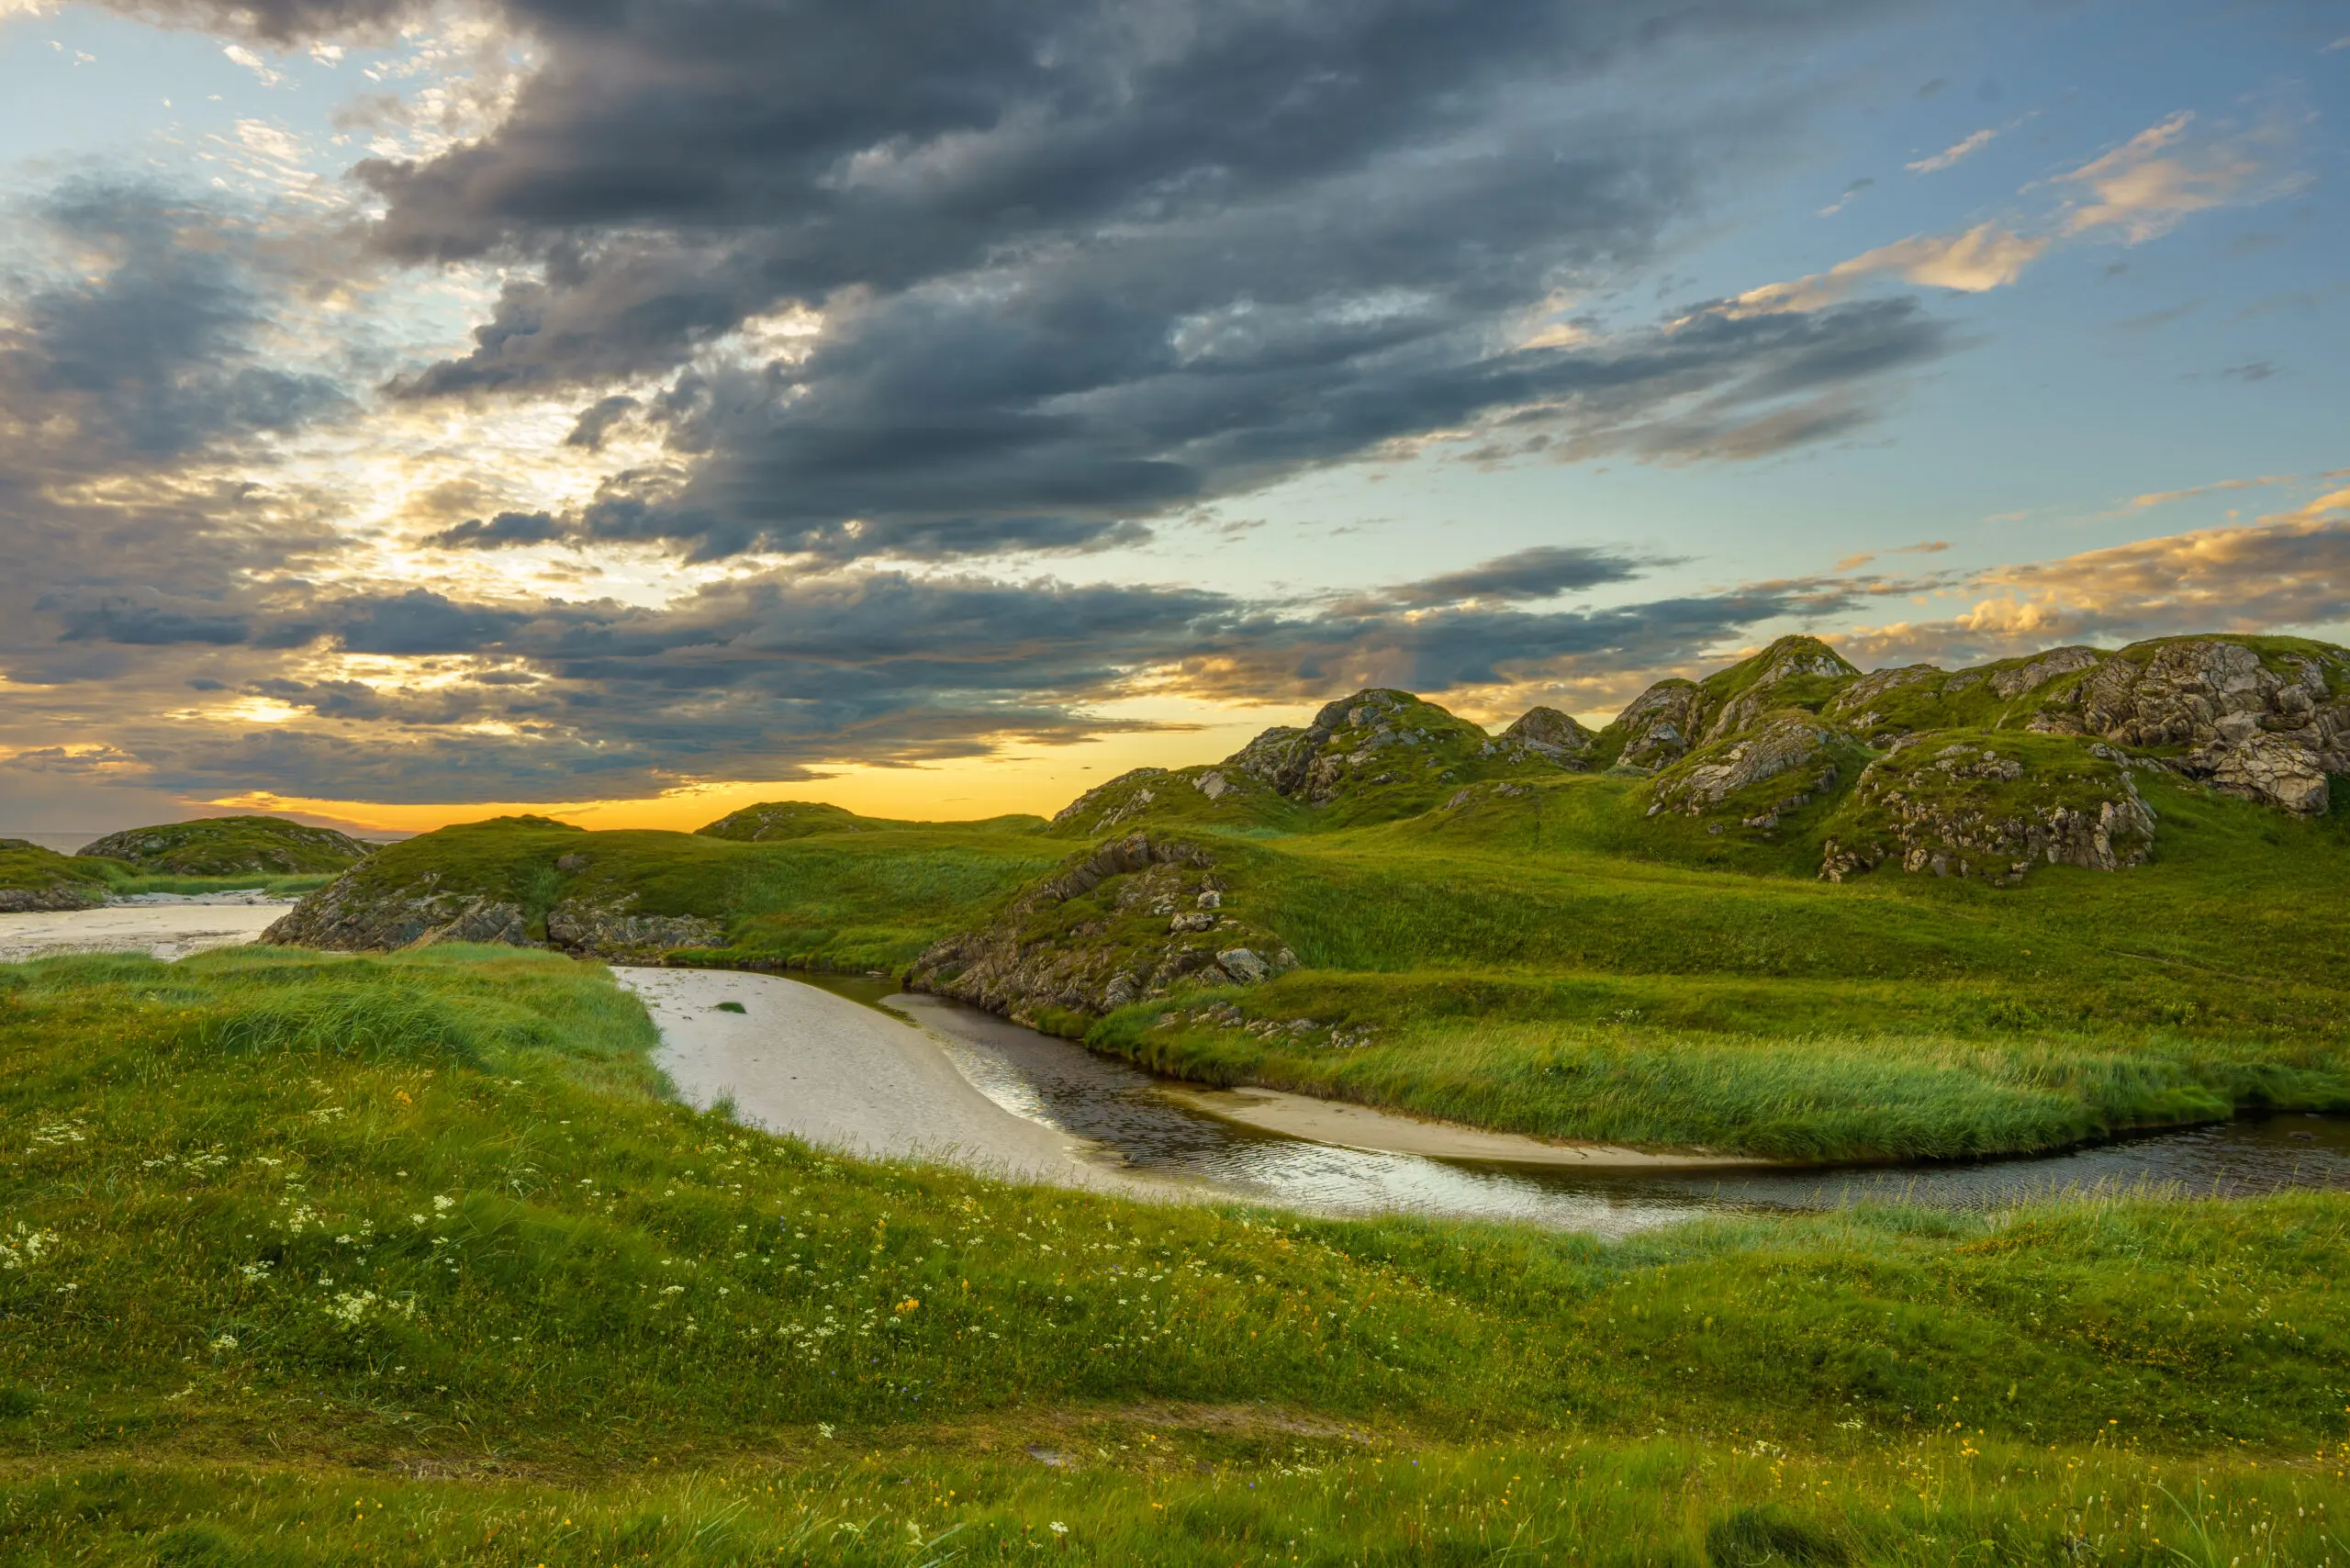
pixel 611 929
pixel 1786 659
pixel 1781 745
pixel 1550 733
pixel 2269 734
pixel 347 916
pixel 1662 724
pixel 51 900
pixel 1111 805
pixel 2018 679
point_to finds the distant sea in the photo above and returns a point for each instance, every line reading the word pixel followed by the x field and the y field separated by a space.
pixel 64 843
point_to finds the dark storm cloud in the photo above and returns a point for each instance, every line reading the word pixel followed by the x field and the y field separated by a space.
pixel 1079 263
pixel 141 621
pixel 1021 275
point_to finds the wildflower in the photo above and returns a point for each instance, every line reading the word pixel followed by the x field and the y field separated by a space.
pixel 441 1204
pixel 225 1342
pixel 1058 1528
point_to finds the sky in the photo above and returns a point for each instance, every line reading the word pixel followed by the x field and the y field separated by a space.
pixel 630 410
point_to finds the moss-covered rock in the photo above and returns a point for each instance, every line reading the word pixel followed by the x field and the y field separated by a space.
pixel 1990 805
pixel 1551 734
pixel 1674 718
pixel 1131 919
pixel 231 846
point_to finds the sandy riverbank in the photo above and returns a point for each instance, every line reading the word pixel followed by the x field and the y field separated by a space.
pixel 1360 1126
pixel 802 1061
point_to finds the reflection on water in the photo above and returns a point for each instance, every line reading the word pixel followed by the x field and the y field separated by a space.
pixel 1123 1108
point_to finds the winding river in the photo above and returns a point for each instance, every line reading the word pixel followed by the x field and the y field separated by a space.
pixel 1150 1127
pixel 846 1062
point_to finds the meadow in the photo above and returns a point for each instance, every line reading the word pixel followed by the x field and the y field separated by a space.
pixel 309 1258
pixel 1553 961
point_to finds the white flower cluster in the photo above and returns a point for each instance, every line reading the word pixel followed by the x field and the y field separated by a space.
pixel 24 1246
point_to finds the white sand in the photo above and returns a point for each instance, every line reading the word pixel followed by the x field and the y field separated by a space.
pixel 1360 1126
pixel 165 930
pixel 820 1067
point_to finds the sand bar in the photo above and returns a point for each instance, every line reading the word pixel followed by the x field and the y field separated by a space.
pixel 1360 1126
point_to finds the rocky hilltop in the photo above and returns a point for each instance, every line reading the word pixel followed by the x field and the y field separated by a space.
pixel 1376 755
pixel 231 846
pixel 1987 772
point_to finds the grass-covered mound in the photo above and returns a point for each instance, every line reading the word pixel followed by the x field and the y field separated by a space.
pixel 231 846
pixel 313 1259
pixel 854 899
pixel 32 877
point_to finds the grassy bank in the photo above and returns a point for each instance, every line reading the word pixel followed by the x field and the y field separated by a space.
pixel 307 1254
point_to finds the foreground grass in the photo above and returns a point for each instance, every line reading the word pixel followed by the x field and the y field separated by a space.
pixel 310 1256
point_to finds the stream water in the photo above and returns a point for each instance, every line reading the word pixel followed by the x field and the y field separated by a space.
pixel 1128 1113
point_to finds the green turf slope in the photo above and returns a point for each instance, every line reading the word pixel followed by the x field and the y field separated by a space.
pixel 312 1259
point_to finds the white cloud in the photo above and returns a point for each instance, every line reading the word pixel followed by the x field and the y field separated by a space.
pixel 1984 257
pixel 254 62
pixel 1953 152
pixel 2165 172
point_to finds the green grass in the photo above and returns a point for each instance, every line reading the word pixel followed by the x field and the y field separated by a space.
pixel 23 865
pixel 231 846
pixel 310 1256
pixel 862 898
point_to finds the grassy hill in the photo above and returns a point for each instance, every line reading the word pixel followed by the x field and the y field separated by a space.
pixel 1830 916
pixel 311 1259
pixel 231 846
pixel 32 877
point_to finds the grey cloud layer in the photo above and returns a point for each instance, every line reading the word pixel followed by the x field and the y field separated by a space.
pixel 1078 265
pixel 1082 263
pixel 766 677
